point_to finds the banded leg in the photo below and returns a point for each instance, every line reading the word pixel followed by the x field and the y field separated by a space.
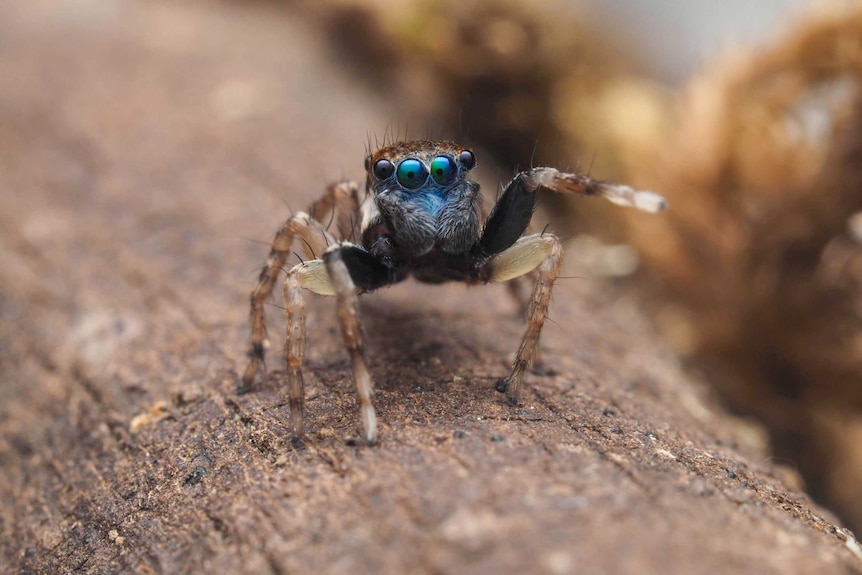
pixel 544 253
pixel 315 241
pixel 517 288
pixel 294 350
pixel 512 256
pixel 339 205
pixel 349 265
pixel 313 276
pixel 513 211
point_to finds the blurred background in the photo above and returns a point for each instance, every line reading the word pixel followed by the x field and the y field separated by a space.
pixel 745 115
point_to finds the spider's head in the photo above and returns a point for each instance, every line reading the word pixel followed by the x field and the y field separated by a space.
pixel 422 193
pixel 419 168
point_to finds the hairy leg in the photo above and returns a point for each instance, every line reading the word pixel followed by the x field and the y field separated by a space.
pixel 339 207
pixel 543 253
pixel 513 211
pixel 315 239
pixel 294 350
pixel 314 275
pixel 511 255
pixel 351 329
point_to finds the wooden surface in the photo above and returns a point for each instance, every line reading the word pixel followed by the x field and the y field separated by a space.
pixel 143 148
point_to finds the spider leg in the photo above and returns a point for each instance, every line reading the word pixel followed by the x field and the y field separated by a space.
pixel 294 349
pixel 348 265
pixel 310 275
pixel 339 206
pixel 543 253
pixel 344 267
pixel 315 240
pixel 512 213
pixel 518 290
pixel 501 245
pixel 619 194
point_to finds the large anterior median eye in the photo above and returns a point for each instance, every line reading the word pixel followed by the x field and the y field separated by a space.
pixel 411 174
pixel 443 170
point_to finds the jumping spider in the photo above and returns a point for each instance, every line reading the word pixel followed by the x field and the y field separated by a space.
pixel 420 218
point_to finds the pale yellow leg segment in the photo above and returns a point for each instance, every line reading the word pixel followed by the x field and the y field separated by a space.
pixel 546 252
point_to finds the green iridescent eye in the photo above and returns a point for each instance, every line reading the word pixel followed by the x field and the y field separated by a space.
pixel 411 174
pixel 443 170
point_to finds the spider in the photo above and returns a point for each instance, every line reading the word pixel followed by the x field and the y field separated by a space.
pixel 420 218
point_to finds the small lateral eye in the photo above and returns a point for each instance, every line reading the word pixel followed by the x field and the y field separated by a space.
pixel 411 174
pixel 383 169
pixel 467 159
pixel 443 170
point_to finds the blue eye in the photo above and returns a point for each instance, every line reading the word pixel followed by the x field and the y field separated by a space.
pixel 443 170
pixel 411 174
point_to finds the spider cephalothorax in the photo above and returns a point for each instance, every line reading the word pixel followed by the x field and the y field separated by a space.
pixel 420 199
pixel 420 218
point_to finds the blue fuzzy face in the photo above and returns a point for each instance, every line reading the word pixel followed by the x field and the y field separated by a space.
pixel 424 196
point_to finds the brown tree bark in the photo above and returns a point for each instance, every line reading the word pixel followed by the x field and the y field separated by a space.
pixel 141 146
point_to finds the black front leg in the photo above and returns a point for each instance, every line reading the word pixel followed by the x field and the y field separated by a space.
pixel 509 218
pixel 511 215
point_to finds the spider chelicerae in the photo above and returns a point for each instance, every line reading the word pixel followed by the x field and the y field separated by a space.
pixel 420 218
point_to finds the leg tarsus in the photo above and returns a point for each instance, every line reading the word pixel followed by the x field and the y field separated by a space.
pixel 502 384
pixel 297 442
pixel 256 364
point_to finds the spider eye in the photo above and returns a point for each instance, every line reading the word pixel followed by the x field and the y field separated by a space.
pixel 443 170
pixel 467 158
pixel 411 174
pixel 383 169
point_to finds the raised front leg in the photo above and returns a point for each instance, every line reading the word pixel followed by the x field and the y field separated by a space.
pixel 512 213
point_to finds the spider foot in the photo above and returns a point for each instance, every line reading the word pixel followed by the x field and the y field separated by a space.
pixel 354 442
pixel 502 384
pixel 256 364
pixel 511 387
pixel 297 443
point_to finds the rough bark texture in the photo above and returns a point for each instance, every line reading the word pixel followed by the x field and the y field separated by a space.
pixel 140 146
